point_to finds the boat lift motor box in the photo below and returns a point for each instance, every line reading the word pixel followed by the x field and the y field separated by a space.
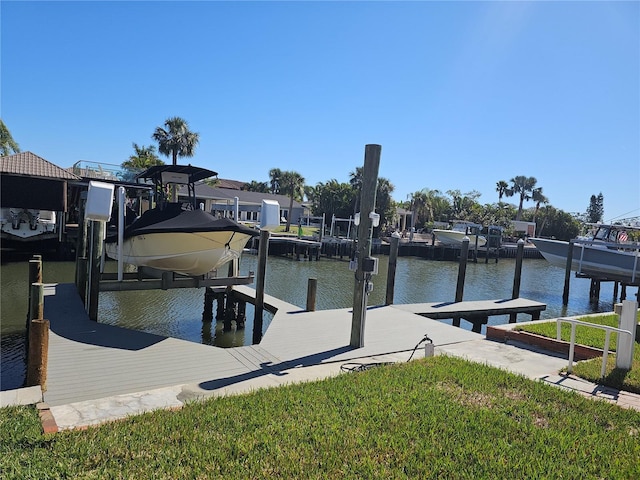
pixel 269 215
pixel 99 201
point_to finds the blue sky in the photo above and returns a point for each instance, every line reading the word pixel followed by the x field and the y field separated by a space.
pixel 459 94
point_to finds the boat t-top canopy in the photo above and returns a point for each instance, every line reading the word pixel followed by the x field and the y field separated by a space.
pixel 184 174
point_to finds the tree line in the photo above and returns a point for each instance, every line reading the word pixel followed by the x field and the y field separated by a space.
pixel 426 206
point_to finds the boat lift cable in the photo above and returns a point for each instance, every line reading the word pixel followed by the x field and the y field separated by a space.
pixel 361 367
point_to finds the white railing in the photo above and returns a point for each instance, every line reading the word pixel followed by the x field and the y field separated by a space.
pixel 572 341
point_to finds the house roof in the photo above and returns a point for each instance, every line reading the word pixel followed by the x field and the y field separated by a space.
pixel 230 184
pixel 30 164
pixel 216 193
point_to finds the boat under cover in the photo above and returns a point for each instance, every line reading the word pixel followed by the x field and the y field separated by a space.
pixel 190 242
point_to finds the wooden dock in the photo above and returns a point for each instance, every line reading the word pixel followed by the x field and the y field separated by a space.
pixel 476 312
pixel 90 360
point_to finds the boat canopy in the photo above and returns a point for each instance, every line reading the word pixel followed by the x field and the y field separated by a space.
pixel 194 174
pixel 175 219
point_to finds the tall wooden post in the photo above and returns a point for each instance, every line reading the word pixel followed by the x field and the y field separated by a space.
pixel 367 205
pixel 260 278
pixel 567 275
pixel 517 277
pixel 391 271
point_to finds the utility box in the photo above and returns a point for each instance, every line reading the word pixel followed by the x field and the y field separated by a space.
pixel 269 215
pixel 370 265
pixel 624 350
pixel 99 201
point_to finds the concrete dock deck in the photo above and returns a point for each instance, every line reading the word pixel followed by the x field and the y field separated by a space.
pixel 98 372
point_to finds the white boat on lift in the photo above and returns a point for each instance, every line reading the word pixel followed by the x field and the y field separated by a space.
pixel 177 236
pixel 28 224
pixel 608 255
pixel 460 230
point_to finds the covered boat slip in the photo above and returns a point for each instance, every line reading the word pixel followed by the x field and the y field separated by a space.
pixel 89 360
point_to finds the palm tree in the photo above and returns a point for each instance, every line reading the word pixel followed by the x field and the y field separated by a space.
pixel 176 140
pixel 522 186
pixel 292 183
pixel 355 180
pixel 275 180
pixel 255 186
pixel 143 158
pixel 540 199
pixel 502 188
pixel 7 144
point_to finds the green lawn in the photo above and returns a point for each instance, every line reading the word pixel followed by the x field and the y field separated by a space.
pixel 590 369
pixel 439 417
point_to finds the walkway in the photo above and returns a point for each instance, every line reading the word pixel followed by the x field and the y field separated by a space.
pixel 99 373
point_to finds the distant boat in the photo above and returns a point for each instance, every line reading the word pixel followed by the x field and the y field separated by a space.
pixel 460 230
pixel 178 236
pixel 608 255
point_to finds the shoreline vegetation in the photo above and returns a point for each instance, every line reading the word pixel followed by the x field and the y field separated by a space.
pixel 439 417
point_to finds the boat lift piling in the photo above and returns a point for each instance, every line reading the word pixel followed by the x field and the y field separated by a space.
pixel 462 271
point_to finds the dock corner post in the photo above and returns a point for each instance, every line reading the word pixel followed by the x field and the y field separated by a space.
pixel 312 288
pixel 462 270
pixel 38 353
pixel 391 272
pixel 362 278
pixel 567 275
pixel 260 283
pixel 518 273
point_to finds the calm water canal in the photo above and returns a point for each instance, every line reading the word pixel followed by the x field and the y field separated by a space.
pixel 178 313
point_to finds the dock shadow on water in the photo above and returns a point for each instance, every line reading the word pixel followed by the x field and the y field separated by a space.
pixel 178 313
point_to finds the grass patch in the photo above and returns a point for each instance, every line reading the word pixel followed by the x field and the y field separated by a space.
pixel 293 231
pixel 591 337
pixel 440 417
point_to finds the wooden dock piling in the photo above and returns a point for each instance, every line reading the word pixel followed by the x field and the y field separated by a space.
pixel 517 277
pixel 260 279
pixel 391 271
pixel 462 271
pixel 567 275
pixel 38 353
pixel 312 288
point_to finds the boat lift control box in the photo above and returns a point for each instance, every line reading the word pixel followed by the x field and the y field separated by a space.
pixel 99 201
pixel 370 265
pixel 269 214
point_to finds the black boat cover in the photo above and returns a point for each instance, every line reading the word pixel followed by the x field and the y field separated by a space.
pixel 174 219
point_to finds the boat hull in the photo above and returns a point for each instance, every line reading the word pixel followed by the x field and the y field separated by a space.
pixel 454 238
pixel 592 259
pixel 182 252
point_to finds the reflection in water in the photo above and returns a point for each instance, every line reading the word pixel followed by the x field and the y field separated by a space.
pixel 178 313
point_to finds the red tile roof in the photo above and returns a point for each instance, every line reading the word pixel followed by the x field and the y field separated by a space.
pixel 30 164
